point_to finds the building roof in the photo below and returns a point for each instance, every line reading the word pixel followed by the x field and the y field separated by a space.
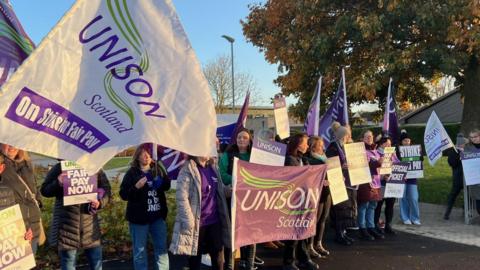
pixel 427 106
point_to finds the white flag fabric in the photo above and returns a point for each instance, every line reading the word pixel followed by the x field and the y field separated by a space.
pixel 436 139
pixel 110 75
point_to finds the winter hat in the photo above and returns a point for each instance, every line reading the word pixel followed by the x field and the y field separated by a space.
pixel 339 131
pixel 404 135
pixel 461 140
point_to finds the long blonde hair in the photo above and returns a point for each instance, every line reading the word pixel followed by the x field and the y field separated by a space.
pixel 22 155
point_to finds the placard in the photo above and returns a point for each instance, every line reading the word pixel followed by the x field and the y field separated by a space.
pixel 338 191
pixel 386 167
pixel 15 252
pixel 78 186
pixel 396 181
pixel 268 152
pixel 471 167
pixel 358 169
pixel 281 117
pixel 413 155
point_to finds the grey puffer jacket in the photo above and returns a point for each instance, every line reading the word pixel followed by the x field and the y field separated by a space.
pixel 73 227
pixel 187 222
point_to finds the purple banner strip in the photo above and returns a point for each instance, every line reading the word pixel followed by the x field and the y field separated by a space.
pixel 38 113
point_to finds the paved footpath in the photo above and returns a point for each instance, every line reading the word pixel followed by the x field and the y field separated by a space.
pixel 437 244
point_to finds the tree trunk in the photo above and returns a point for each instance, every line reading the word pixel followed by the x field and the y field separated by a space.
pixel 471 93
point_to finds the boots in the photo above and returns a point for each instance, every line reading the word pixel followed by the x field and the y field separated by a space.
pixel 341 239
pixel 389 230
pixel 447 213
pixel 375 234
pixel 364 235
pixel 313 253
pixel 320 249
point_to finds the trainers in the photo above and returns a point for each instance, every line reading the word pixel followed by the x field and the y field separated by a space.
pixel 308 265
pixel 407 222
pixel 258 261
pixel 417 222
pixel 244 265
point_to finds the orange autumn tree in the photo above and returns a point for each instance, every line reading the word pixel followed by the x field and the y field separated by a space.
pixel 411 41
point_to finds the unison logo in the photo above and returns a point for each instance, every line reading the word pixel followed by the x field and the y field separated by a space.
pixel 121 63
pixel 270 194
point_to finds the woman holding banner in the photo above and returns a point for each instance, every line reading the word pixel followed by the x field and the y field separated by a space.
pixel 75 227
pixel 384 142
pixel 474 146
pixel 368 194
pixel 202 224
pixel 343 215
pixel 30 201
pixel 296 148
pixel 241 149
pixel 316 156
pixel 143 187
pixel 409 209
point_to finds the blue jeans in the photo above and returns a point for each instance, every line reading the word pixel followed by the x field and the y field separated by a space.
pixel 68 258
pixel 366 214
pixel 139 234
pixel 409 204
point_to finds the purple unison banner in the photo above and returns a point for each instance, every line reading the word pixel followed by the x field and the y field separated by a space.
pixel 15 45
pixel 390 120
pixel 224 133
pixel 275 203
pixel 78 186
pixel 242 118
pixel 172 160
pixel 313 116
pixel 338 111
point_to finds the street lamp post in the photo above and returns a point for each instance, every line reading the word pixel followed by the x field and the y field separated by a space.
pixel 231 40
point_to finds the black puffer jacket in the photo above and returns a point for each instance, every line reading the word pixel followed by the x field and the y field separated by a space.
pixel 73 227
pixel 141 201
pixel 30 211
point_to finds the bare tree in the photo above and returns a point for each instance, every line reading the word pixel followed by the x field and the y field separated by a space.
pixel 219 76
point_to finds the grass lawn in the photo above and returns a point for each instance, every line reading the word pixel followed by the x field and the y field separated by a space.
pixel 117 162
pixel 436 185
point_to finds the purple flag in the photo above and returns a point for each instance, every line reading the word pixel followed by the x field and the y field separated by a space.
pixel 172 160
pixel 390 121
pixel 313 116
pixel 15 45
pixel 275 203
pixel 242 118
pixel 338 111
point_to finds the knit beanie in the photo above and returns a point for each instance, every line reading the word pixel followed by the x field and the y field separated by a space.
pixel 339 131
pixel 461 140
pixel 404 135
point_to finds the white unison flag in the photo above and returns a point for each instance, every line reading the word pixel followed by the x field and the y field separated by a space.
pixel 436 139
pixel 110 75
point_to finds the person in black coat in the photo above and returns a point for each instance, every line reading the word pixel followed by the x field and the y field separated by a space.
pixel 143 187
pixel 75 227
pixel 297 250
pixel 344 214
pixel 457 173
pixel 8 195
pixel 29 198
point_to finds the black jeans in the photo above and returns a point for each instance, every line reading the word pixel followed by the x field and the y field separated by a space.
pixel 389 202
pixel 457 186
pixel 209 241
pixel 322 216
pixel 295 250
